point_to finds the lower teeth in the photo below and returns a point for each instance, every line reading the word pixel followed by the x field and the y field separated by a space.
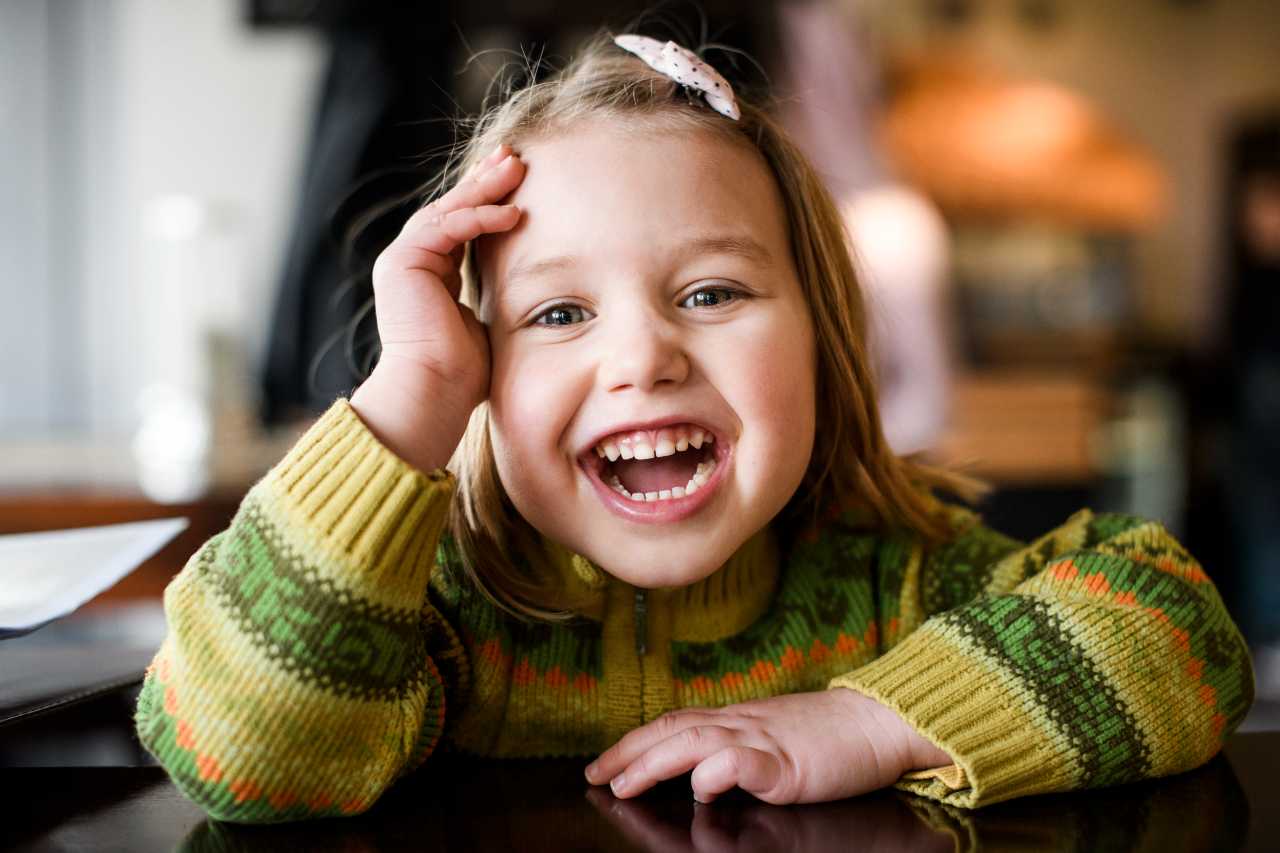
pixel 697 481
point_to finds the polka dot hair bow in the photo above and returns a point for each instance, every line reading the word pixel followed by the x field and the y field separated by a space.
pixel 683 66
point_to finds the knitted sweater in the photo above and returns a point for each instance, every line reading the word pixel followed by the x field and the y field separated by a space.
pixel 325 644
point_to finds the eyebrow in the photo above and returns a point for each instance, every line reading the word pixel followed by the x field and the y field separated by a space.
pixel 741 246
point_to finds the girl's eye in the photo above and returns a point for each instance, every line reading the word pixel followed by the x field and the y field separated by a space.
pixel 560 315
pixel 709 297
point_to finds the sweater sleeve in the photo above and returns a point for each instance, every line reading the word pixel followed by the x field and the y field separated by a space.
pixel 301 672
pixel 1099 654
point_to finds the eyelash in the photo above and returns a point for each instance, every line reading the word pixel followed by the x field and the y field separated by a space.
pixel 734 294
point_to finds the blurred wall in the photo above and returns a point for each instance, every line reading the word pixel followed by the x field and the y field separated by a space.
pixel 1170 73
pixel 128 100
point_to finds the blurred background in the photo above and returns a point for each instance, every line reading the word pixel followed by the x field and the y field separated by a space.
pixel 1066 214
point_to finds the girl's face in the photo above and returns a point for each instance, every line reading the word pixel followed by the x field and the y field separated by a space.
pixel 646 303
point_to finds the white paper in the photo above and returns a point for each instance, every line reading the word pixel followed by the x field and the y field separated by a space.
pixel 47 575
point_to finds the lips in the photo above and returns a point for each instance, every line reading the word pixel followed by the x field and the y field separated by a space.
pixel 653 488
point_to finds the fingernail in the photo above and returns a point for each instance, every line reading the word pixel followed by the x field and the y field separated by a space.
pixel 619 782
pixel 591 772
pixel 494 156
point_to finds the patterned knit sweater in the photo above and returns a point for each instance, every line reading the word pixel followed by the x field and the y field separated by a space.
pixel 325 644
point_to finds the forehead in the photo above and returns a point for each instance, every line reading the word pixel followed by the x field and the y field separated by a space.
pixel 620 195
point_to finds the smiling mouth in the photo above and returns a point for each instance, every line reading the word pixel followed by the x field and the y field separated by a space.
pixel 660 465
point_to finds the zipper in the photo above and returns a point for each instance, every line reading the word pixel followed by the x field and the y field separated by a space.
pixel 642 607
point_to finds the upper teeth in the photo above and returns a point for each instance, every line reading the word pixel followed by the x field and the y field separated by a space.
pixel 647 444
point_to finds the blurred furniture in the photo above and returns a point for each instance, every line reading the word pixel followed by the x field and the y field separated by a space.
pixel 55 510
pixel 1019 427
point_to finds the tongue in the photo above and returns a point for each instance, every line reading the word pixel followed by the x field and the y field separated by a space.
pixel 654 475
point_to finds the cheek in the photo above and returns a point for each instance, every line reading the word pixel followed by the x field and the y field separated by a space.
pixel 779 389
pixel 529 415
pixel 788 398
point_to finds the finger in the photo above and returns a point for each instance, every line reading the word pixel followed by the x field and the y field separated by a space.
pixel 440 234
pixel 753 770
pixel 406 257
pixel 439 237
pixel 614 759
pixel 494 157
pixel 486 187
pixel 678 754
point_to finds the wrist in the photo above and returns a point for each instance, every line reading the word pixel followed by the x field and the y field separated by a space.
pixel 411 418
pixel 914 751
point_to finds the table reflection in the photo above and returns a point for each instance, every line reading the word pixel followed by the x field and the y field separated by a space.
pixel 546 806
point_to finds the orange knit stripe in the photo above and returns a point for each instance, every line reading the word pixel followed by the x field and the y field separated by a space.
pixel 282 800
pixel 184 737
pixel 701 684
pixel 208 768
pixel 1097 584
pixel 524 674
pixel 1194 668
pixel 764 671
pixel 490 654
pixel 1065 570
pixel 245 789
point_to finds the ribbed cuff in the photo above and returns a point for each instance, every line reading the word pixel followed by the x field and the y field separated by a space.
pixel 383 516
pixel 964 710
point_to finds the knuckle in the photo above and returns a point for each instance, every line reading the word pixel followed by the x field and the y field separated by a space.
pixel 777 797
pixel 393 258
pixel 669 723
pixel 694 737
pixel 384 264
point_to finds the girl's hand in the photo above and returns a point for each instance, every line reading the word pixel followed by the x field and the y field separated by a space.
pixel 799 748
pixel 434 367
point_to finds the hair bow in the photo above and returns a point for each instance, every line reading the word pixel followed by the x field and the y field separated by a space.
pixel 683 66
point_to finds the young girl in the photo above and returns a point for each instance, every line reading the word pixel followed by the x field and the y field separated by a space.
pixel 671 535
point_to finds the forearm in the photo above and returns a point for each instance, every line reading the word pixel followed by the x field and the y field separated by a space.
pixel 411 412
pixel 293 681
pixel 1098 655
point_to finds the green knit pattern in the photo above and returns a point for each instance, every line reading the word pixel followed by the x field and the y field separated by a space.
pixel 300 680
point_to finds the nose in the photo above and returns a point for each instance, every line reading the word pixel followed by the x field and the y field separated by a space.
pixel 644 355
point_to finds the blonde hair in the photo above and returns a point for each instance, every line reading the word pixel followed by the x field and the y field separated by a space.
pixel 851 465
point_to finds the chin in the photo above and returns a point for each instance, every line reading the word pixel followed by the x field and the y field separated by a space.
pixel 648 567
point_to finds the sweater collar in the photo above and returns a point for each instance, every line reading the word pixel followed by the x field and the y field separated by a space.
pixel 723 604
